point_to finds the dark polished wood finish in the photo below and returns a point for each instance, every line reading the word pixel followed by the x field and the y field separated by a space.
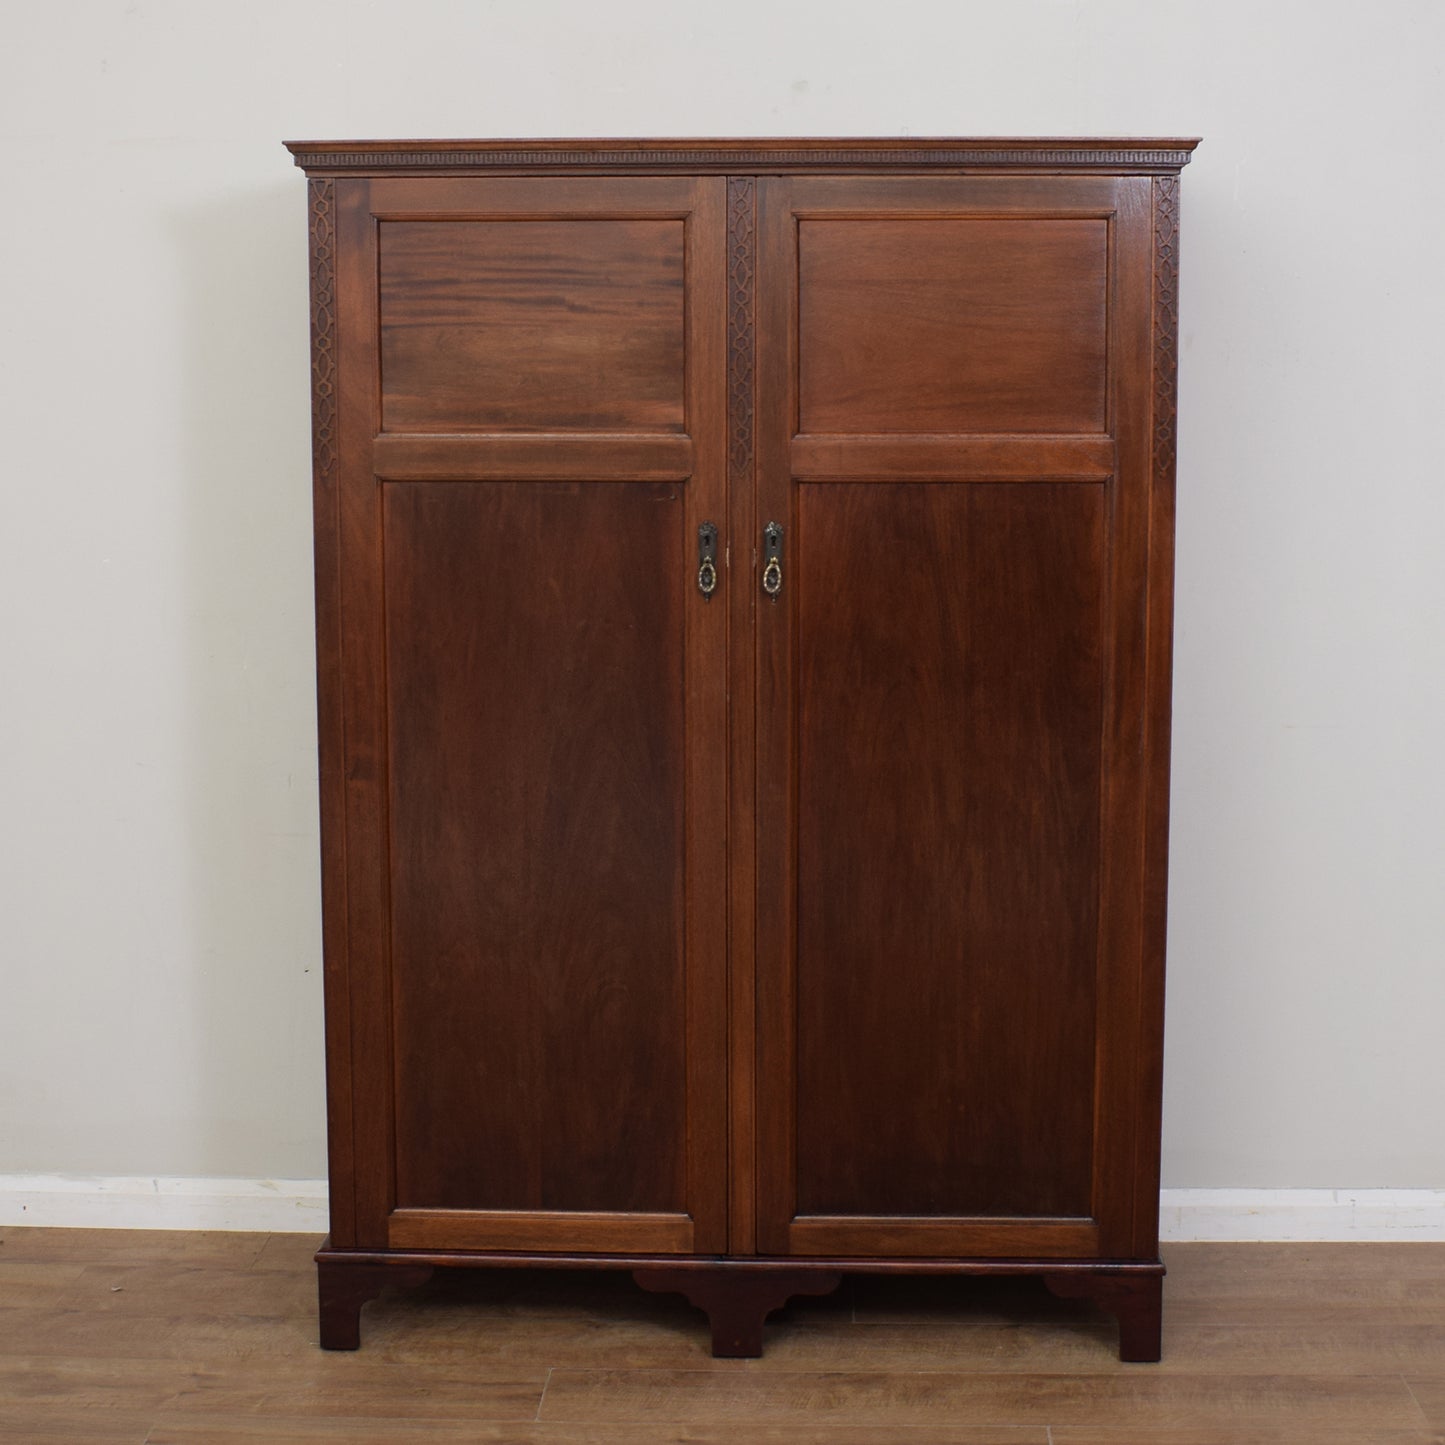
pixel 523 733
pixel 738 1294
pixel 948 711
pixel 775 156
pixel 812 921
pixel 344 1285
pixel 536 801
pixel 951 693
pixel 530 312
pixel 737 1303
pixel 952 325
pixel 1135 1300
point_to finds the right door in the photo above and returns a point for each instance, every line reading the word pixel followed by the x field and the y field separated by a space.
pixel 954 437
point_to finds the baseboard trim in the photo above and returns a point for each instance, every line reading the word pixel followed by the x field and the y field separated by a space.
pixel 1314 1215
pixel 62 1201
pixel 298 1206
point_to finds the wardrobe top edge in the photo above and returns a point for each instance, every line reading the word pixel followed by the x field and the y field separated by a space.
pixel 1040 154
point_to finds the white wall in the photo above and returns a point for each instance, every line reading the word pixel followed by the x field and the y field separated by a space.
pixel 159 982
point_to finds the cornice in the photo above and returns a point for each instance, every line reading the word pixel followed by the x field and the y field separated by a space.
pixel 464 157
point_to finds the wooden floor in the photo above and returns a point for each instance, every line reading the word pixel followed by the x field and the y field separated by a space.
pixel 199 1339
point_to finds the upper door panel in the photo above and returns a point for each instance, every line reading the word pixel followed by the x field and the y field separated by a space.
pixel 533 324
pixel 993 324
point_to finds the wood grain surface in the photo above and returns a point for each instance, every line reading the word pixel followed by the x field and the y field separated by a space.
pixel 952 325
pixel 531 428
pixel 531 324
pixel 826 922
pixel 949 686
pixel 953 407
pixel 534 656
pixel 138 1338
pixel 721 156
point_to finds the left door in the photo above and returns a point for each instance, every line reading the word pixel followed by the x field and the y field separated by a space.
pixel 523 711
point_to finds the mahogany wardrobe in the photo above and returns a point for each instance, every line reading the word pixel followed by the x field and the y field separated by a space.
pixel 744 583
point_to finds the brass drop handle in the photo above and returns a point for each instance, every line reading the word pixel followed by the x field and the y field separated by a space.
pixel 773 559
pixel 707 559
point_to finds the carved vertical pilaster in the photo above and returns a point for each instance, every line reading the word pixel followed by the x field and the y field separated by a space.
pixel 1166 323
pixel 742 322
pixel 323 331
pixel 741 243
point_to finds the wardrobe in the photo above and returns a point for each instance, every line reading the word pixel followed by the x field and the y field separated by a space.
pixel 743 623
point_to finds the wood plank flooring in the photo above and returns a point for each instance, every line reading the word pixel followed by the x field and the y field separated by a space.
pixel 123 1337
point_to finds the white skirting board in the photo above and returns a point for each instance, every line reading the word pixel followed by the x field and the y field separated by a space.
pixel 298 1206
pixel 1320 1215
pixel 64 1201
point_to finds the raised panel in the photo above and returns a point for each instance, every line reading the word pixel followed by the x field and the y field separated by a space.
pixel 535 691
pixel 949 683
pixel 952 324
pixel 532 324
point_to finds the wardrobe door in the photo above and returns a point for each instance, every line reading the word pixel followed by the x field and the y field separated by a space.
pixel 531 1012
pixel 953 436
